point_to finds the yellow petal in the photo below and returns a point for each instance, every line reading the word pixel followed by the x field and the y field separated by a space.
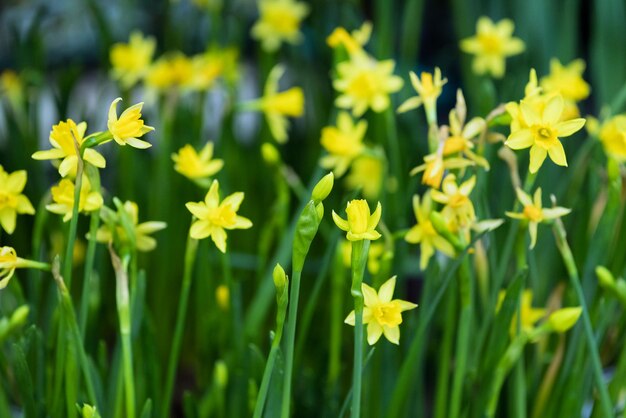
pixel 557 153
pixel 350 319
pixel 374 331
pixel 385 293
pixel 341 223
pixel 553 110
pixel 520 139
pixel 569 127
pixel 218 235
pixel 537 155
pixel 7 219
pixel 369 295
pixel 392 334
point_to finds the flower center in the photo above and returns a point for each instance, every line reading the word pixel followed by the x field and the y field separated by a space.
pixel 6 200
pixel 457 200
pixel 282 20
pixel 363 85
pixel 533 213
pixel 387 314
pixel 491 44
pixel 223 216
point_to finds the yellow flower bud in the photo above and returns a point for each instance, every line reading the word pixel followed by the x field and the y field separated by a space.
pixel 222 296
pixel 563 319
pixel 270 153
pixel 323 187
pixel 220 374
pixel 19 316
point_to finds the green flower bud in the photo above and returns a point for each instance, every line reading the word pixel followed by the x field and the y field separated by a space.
pixel 323 187
pixel 20 316
pixel 605 277
pixel 220 374
pixel 280 279
pixel 563 319
pixel 270 153
pixel 88 411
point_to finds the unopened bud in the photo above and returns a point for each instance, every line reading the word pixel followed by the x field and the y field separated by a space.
pixel 222 296
pixel 280 279
pixel 270 153
pixel 323 187
pixel 563 319
pixel 88 411
pixel 220 374
pixel 319 208
pixel 605 277
pixel 20 316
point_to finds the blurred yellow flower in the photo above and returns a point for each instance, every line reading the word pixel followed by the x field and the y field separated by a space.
pixel 424 234
pixel 11 86
pixel 63 198
pixel 491 45
pixel 360 224
pixel 565 318
pixel 8 264
pixel 352 42
pixel 12 201
pixel 434 167
pixel 428 90
pixel 375 253
pixel 173 70
pixel 458 210
pixel 461 136
pixel 278 105
pixel 65 138
pixel 532 96
pixel 364 82
pixel 197 166
pixel 543 132
pixel 534 213
pixel 367 173
pixel 279 21
pixel 612 134
pixel 129 127
pixel 382 314
pixel 529 315
pixel 222 296
pixel 214 217
pixel 344 143
pixel 131 61
pixel 566 80
pixel 114 231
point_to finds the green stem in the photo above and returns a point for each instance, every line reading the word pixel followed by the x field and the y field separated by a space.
pixel 463 339
pixel 267 374
pixel 443 371
pixel 359 259
pixel 190 257
pixel 89 262
pixel 294 295
pixel 572 271
pixel 71 238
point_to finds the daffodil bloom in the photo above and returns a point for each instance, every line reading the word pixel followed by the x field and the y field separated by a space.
pixel 343 143
pixel 129 126
pixel 279 21
pixel 534 212
pixel 9 261
pixel 532 96
pixel 115 230
pixel 360 224
pixel 197 166
pixel 214 217
pixel 491 45
pixel 543 132
pixel 66 138
pixel 353 42
pixel 367 173
pixel 12 201
pixel 131 61
pixel 382 314
pixel 566 80
pixel 206 71
pixel 458 209
pixel 424 234
pixel 63 198
pixel 529 315
pixel 11 86
pixel 461 136
pixel 435 165
pixel 375 253
pixel 364 82
pixel 428 89
pixel 612 134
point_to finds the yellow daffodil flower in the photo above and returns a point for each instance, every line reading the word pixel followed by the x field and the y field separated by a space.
pixel 367 173
pixel 568 82
pixel 612 134
pixel 129 126
pixel 532 96
pixel 491 45
pixel 364 82
pixel 278 105
pixel 428 89
pixel 360 224
pixel 458 209
pixel 131 61
pixel 63 198
pixel 279 21
pixel 352 42
pixel 143 241
pixel 434 167
pixel 206 71
pixel 214 217
pixel 375 253
pixel 344 143
pixel 424 234
pixel 12 201
pixel 174 70
pixel 197 166
pixel 65 138
pixel 8 264
pixel 543 132
pixel 461 136
pixel 529 315
pixel 382 314
pixel 534 213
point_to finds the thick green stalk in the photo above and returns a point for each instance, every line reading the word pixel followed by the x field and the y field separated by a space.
pixel 463 339
pixel 269 368
pixel 572 271
pixel 294 295
pixel 359 259
pixel 190 257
